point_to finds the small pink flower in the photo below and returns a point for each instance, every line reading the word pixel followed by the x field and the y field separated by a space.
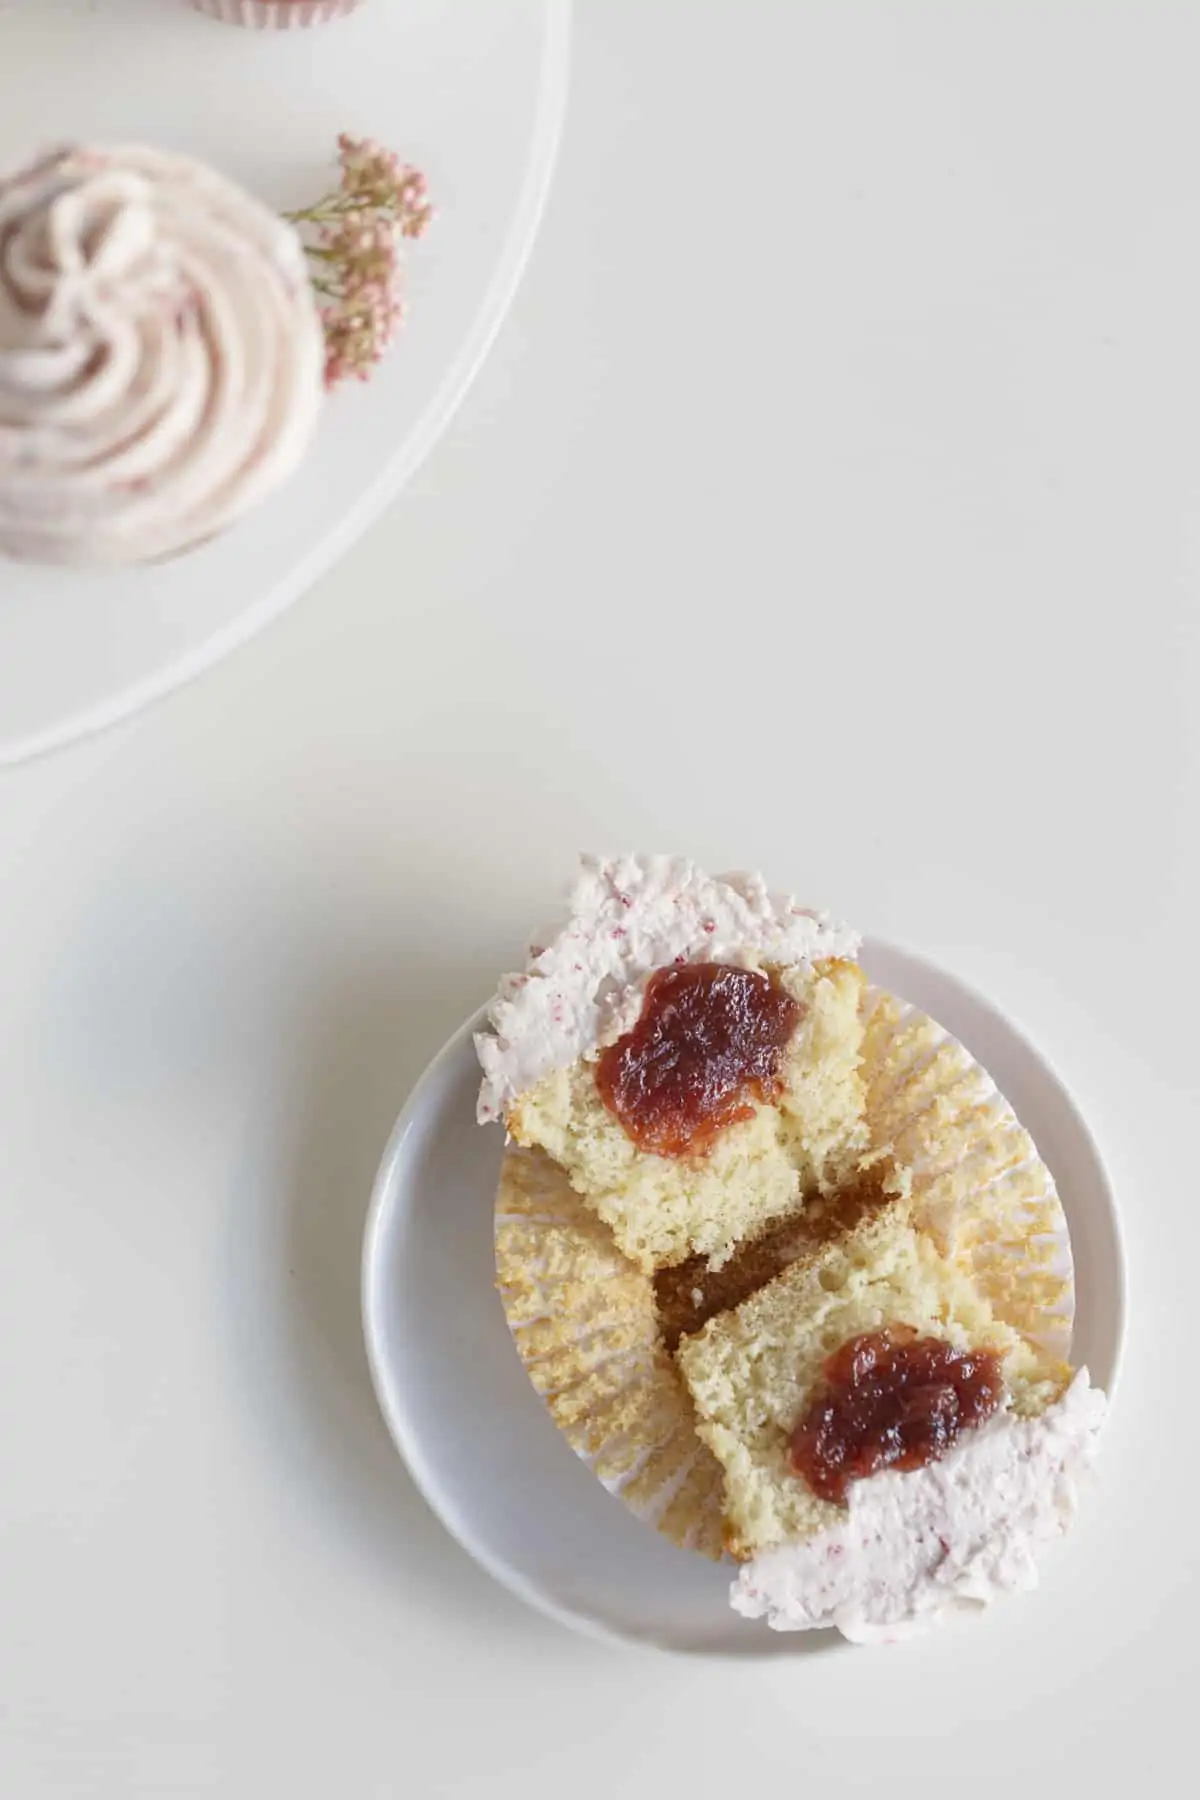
pixel 355 234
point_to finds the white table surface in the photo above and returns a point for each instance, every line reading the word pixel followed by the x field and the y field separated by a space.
pixel 829 503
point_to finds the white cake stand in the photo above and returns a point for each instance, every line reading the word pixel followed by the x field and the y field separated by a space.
pixel 471 91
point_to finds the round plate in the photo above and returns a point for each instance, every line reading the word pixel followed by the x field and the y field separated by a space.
pixel 477 1439
pixel 473 93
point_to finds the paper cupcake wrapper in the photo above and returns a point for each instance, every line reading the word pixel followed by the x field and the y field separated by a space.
pixel 980 1189
pixel 585 1321
pixel 268 15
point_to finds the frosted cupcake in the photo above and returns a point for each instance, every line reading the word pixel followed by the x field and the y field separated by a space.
pixel 161 356
pixel 265 15
pixel 779 1257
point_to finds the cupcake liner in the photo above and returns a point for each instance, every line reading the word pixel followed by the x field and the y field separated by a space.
pixel 589 1325
pixel 584 1322
pixel 267 15
pixel 979 1187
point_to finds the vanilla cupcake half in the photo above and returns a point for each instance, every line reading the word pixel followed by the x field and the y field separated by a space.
pixel 686 1048
pixel 891 1449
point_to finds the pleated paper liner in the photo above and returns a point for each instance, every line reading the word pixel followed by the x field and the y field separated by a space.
pixel 584 1320
pixel 595 1333
pixel 980 1189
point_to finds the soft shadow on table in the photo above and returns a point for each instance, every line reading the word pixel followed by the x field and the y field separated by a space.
pixel 370 1033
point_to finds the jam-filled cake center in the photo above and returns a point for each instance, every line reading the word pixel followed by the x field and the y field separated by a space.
pixel 709 1042
pixel 891 1400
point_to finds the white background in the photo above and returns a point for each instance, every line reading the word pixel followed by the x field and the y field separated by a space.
pixel 830 503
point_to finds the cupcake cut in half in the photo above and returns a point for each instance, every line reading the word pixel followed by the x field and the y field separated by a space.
pixel 891 1449
pixel 753 1371
pixel 778 1256
pixel 687 1049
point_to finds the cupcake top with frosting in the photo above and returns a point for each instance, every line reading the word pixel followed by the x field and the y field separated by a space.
pixel 161 355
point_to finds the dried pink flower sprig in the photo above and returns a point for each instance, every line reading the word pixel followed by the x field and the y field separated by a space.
pixel 353 239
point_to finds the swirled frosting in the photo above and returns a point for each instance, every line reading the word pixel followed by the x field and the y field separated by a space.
pixel 161 355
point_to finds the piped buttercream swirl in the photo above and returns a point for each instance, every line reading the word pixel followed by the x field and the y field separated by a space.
pixel 161 355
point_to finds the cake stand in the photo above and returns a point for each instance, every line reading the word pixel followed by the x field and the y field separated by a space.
pixel 470 91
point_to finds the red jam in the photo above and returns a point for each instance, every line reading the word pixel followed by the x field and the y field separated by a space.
pixel 710 1040
pixel 892 1400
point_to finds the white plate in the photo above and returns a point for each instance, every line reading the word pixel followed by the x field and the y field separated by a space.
pixel 476 1438
pixel 470 90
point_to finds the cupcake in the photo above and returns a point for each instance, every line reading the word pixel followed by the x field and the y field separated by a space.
pixel 264 15
pixel 161 356
pixel 709 1340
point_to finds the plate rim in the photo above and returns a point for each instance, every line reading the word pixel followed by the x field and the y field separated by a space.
pixel 407 1441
